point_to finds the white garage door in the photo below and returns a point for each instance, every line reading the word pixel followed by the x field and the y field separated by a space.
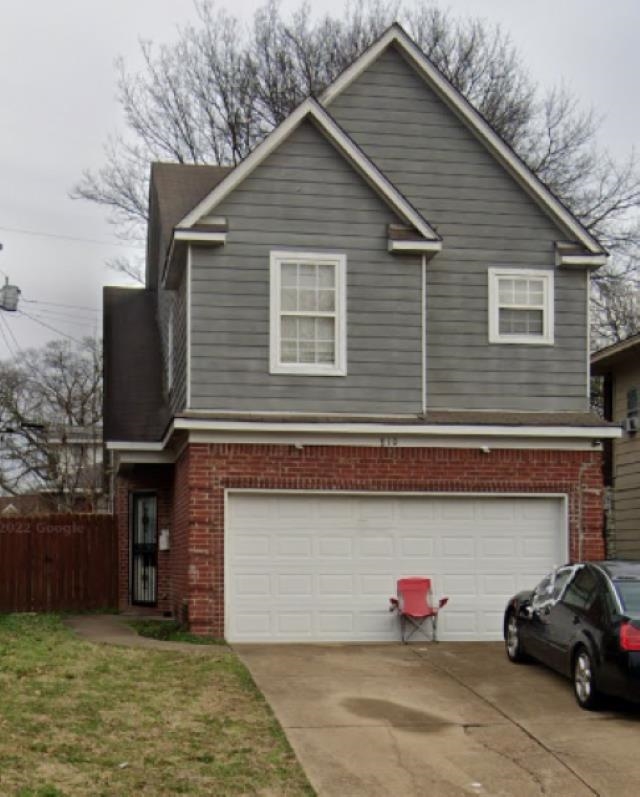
pixel 321 567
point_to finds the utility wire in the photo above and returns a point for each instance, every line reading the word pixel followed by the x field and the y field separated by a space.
pixel 10 331
pixel 76 238
pixel 48 326
pixel 58 304
pixel 5 337
pixel 83 322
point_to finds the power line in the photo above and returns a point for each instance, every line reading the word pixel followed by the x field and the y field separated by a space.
pixel 10 331
pixel 76 238
pixel 6 339
pixel 84 323
pixel 48 326
pixel 58 304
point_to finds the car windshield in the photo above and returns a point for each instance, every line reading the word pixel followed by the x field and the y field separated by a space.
pixel 629 592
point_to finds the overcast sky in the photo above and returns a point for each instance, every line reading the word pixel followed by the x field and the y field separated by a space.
pixel 58 104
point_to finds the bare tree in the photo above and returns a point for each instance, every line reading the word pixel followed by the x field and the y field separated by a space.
pixel 50 424
pixel 221 87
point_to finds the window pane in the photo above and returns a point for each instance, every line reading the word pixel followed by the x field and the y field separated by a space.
pixel 307 328
pixel 325 352
pixel 289 299
pixel 325 329
pixel 288 328
pixel 521 291
pixel 326 276
pixel 307 275
pixel 506 291
pixel 289 275
pixel 521 322
pixel 289 351
pixel 326 301
pixel 308 300
pixel 307 352
pixel 536 292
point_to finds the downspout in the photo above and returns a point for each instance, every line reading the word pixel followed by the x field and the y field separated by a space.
pixel 424 335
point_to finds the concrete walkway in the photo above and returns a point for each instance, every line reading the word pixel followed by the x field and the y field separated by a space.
pixel 114 629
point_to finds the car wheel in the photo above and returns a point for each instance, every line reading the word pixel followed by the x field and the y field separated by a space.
pixel 584 686
pixel 512 642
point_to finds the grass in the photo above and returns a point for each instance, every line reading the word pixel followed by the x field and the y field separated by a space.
pixel 81 719
pixel 171 631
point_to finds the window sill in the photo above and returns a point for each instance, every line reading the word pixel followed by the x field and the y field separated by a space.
pixel 307 370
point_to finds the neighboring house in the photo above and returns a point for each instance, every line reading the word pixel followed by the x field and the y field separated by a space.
pixel 619 365
pixel 361 354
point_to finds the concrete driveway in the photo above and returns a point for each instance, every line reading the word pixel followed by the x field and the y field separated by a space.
pixel 442 720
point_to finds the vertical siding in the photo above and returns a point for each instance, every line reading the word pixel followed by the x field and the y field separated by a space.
pixel 486 219
pixel 626 464
pixel 306 197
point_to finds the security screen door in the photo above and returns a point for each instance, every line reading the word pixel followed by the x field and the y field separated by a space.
pixel 144 549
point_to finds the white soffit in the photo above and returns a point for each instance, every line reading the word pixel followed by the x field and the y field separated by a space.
pixel 464 110
pixel 310 109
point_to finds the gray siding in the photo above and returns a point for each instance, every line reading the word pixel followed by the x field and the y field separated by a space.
pixel 177 395
pixel 486 219
pixel 305 196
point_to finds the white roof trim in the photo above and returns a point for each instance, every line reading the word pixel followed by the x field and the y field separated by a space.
pixel 427 430
pixel 457 102
pixel 588 261
pixel 415 246
pixel 311 109
pixel 200 236
pixel 341 432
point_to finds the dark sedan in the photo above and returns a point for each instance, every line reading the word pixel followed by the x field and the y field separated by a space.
pixel 583 620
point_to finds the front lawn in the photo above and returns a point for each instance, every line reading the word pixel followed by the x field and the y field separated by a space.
pixel 82 719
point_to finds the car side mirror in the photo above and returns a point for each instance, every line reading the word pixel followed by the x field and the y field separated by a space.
pixel 528 611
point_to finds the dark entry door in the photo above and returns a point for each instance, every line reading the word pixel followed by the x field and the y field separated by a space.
pixel 144 549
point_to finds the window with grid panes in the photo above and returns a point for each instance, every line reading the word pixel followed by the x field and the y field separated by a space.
pixel 307 313
pixel 520 306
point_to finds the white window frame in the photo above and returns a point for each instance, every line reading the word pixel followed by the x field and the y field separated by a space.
pixel 339 261
pixel 547 277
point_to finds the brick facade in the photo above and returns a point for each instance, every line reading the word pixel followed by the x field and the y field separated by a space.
pixel 195 586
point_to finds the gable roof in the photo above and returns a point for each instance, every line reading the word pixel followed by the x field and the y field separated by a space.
pixel 174 189
pixel 397 36
pixel 602 360
pixel 311 110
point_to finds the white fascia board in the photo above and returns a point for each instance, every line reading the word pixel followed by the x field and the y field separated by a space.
pixel 398 430
pixel 583 261
pixel 199 236
pixel 125 445
pixel 421 247
pixel 312 110
pixel 463 108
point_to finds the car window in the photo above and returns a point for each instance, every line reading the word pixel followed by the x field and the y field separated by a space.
pixel 629 592
pixel 582 591
pixel 551 588
pixel 562 577
pixel 543 593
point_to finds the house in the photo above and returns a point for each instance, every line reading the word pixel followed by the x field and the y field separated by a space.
pixel 359 355
pixel 619 365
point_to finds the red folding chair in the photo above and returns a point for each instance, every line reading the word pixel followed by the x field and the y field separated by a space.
pixel 415 607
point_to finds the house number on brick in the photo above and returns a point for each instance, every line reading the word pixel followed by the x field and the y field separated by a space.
pixel 388 442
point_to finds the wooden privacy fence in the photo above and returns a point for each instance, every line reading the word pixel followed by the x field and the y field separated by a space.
pixel 58 562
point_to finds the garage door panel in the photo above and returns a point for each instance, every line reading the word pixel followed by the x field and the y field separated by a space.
pixel 323 566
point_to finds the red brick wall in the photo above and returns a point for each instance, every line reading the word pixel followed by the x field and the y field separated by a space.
pixel 147 477
pixel 205 471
